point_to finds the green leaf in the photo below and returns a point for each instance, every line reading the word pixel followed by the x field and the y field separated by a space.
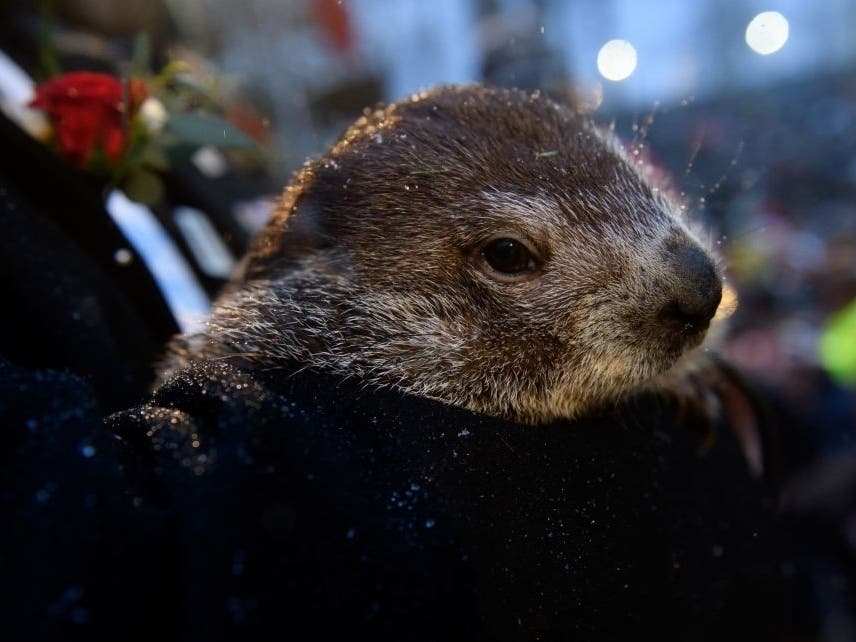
pixel 171 69
pixel 178 151
pixel 48 58
pixel 143 186
pixel 187 83
pixel 837 347
pixel 208 130
pixel 152 157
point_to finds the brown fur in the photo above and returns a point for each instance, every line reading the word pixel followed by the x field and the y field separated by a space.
pixel 367 268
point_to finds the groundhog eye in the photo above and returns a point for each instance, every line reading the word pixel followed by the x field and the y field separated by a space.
pixel 508 257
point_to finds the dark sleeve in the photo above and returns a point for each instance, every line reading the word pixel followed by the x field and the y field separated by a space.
pixel 317 505
pixel 281 524
pixel 69 304
pixel 236 505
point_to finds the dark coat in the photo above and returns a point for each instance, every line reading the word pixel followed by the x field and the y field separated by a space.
pixel 277 505
pixel 67 303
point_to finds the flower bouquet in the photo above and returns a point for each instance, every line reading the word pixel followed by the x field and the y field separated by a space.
pixel 127 132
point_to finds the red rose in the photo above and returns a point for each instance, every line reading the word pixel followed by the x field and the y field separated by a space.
pixel 88 112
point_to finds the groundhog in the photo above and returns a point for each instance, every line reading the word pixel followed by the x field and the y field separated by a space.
pixel 488 248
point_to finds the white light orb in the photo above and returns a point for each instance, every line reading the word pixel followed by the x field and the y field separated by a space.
pixel 616 60
pixel 767 32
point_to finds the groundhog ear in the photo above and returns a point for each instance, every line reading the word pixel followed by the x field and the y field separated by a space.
pixel 305 228
pixel 291 235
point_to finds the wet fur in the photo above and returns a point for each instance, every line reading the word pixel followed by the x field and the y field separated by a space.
pixel 367 268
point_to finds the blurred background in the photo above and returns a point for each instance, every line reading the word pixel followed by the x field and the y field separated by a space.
pixel 747 107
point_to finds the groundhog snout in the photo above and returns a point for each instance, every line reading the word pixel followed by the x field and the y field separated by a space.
pixel 695 290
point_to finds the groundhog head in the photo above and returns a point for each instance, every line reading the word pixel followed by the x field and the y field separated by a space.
pixel 488 248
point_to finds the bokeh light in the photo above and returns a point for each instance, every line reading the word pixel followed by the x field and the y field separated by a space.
pixel 767 32
pixel 616 60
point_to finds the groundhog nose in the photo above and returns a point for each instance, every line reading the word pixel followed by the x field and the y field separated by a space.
pixel 698 289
